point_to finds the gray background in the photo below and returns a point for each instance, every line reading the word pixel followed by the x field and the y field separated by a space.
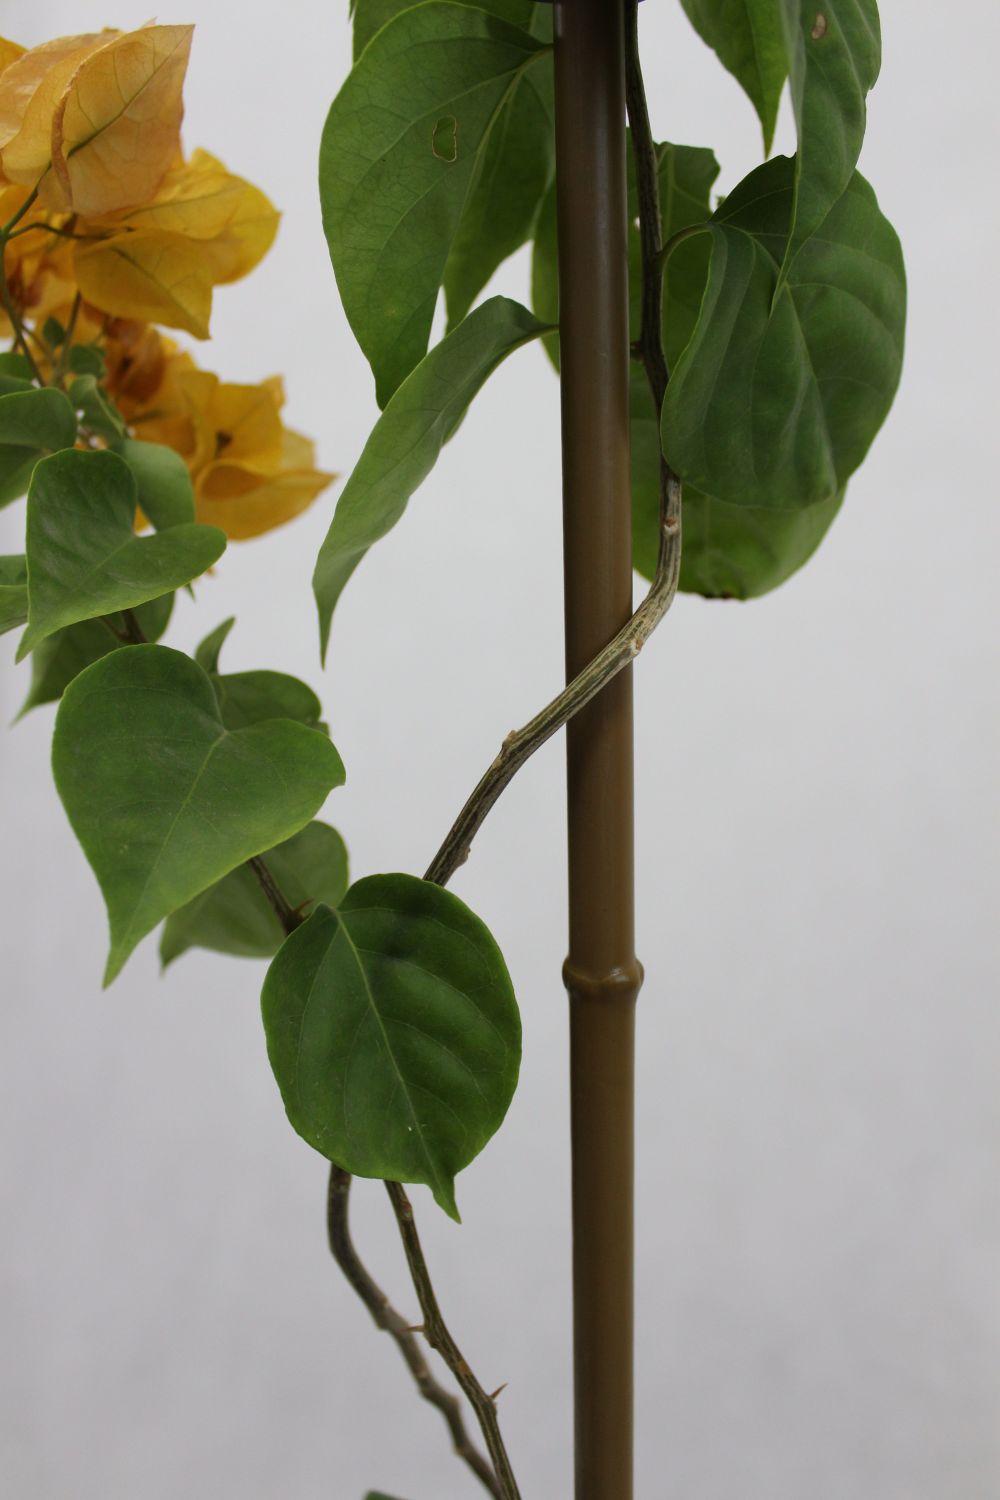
pixel 818 1213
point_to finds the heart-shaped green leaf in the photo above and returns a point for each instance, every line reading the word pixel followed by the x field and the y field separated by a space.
pixel 392 188
pixel 778 395
pixel 84 559
pixel 234 917
pixel 163 798
pixel 162 480
pixel 63 656
pixel 747 38
pixel 834 51
pixel 409 435
pixel 393 1033
pixel 13 593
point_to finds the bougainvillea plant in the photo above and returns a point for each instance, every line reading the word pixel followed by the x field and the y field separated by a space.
pixel 766 331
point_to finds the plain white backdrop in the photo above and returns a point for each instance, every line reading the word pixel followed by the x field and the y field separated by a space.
pixel 818 1216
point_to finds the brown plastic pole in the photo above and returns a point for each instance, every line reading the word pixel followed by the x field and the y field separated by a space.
pixel 602 973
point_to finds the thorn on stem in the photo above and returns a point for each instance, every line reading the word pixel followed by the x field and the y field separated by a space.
pixel 496 1393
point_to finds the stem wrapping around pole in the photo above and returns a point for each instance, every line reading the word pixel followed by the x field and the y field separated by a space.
pixel 602 973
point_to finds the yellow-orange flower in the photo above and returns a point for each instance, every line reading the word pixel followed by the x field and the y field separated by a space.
pixel 250 472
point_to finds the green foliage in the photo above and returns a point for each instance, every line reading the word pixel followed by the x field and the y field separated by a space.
pixel 32 423
pixel 207 654
pixel 835 52
pixel 13 592
pixel 408 437
pixel 84 559
pixel 233 916
pixel 97 412
pixel 392 203
pixel 63 655
pixel 163 483
pixel 247 698
pixel 779 394
pixel 85 359
pixel 393 1033
pixel 15 373
pixel 748 39
pixel 163 798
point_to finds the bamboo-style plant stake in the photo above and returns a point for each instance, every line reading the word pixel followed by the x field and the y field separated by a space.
pixel 602 973
pixel 750 351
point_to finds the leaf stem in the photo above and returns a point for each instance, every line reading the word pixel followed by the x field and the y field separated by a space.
pixel 283 910
pixel 392 1322
pixel 439 1338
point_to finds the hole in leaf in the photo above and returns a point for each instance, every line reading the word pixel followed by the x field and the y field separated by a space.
pixel 444 139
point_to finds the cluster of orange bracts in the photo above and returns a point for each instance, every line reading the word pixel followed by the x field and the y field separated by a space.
pixel 119 232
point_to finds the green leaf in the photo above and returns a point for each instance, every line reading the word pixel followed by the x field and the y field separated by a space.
pixel 391 205
pixel 13 593
pixel 545 272
pixel 164 485
pixel 743 551
pixel 251 697
pixel 163 798
pixel 33 422
pixel 234 915
pixel 84 559
pixel 513 176
pixel 63 656
pixel 53 332
pixel 97 411
pixel 378 1495
pixel 86 359
pixel 393 1033
pixel 409 435
pixel 15 367
pixel 207 654
pixel 369 16
pixel 729 551
pixel 686 177
pixel 779 394
pixel 835 51
pixel 748 39
pixel 42 421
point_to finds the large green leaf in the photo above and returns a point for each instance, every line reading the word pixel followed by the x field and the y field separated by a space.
pixel 835 51
pixel 779 394
pixel 63 656
pixel 32 423
pixel 162 480
pixel 393 1033
pixel 747 38
pixel 84 559
pixel 400 152
pixel 409 435
pixel 234 915
pixel 163 798
pixel 13 592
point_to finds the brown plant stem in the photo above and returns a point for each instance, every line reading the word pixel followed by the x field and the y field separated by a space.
pixel 439 1338
pixel 385 1316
